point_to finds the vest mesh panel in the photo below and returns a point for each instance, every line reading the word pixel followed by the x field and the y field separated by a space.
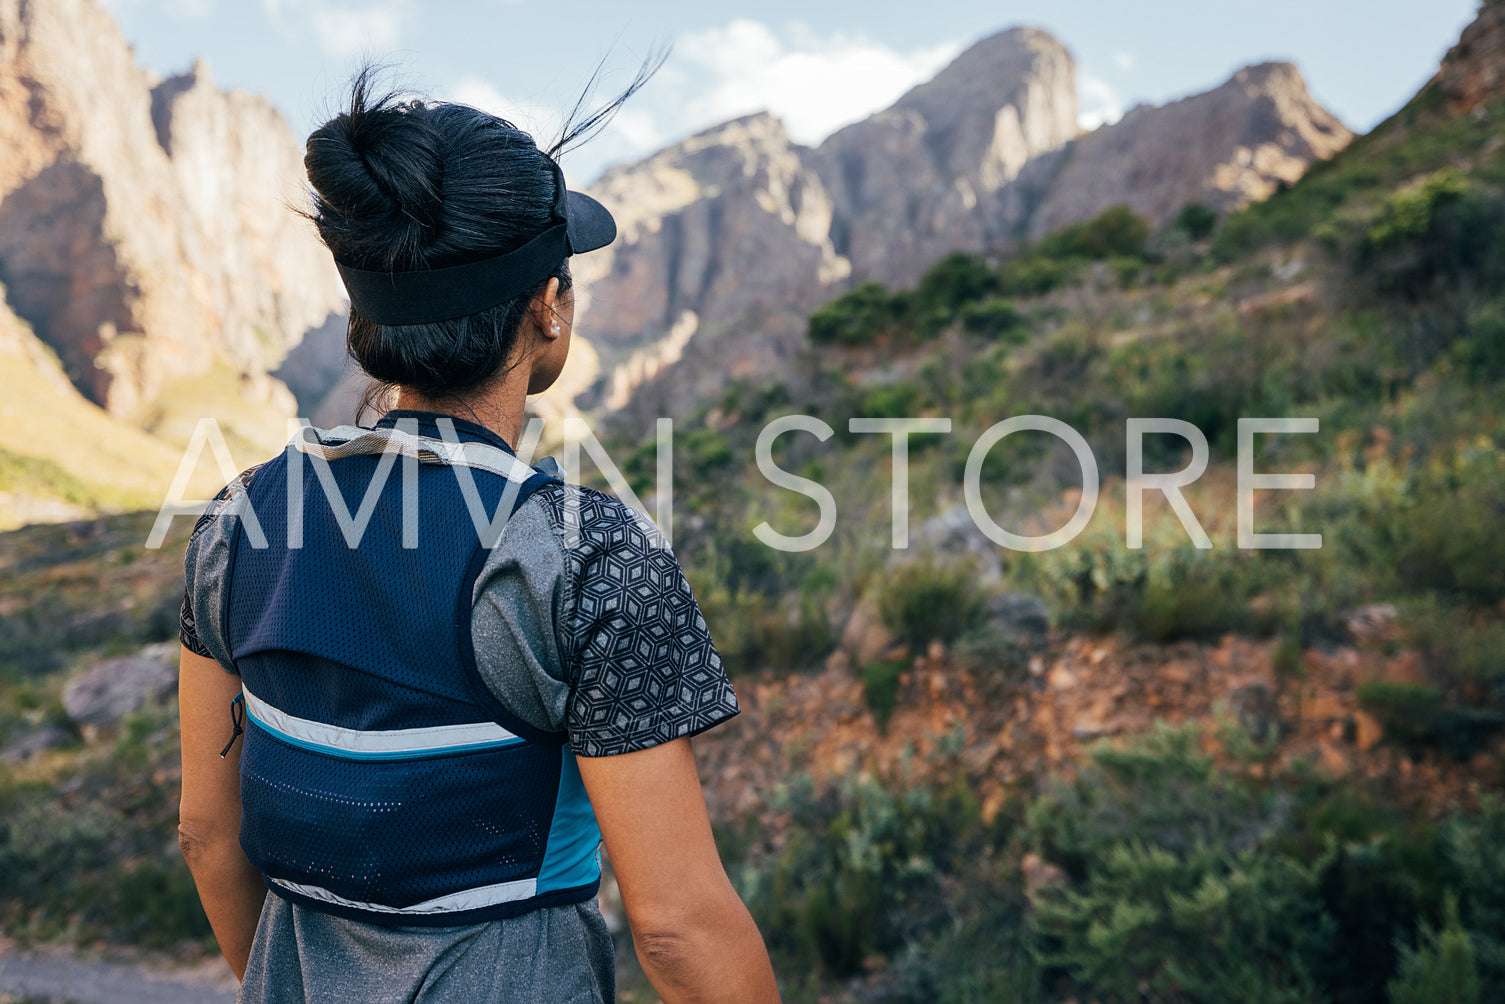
pixel 365 645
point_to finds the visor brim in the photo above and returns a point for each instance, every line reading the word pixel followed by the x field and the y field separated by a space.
pixel 589 224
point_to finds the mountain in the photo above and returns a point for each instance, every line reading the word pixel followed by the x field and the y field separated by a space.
pixel 732 236
pixel 1224 148
pixel 148 240
pixel 146 229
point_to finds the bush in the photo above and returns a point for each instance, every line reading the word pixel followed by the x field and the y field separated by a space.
pixel 880 688
pixel 1033 274
pixel 924 602
pixel 1176 889
pixel 957 280
pixel 859 315
pixel 1211 927
pixel 1115 232
pixel 1196 221
pixel 1441 969
pixel 1417 714
pixel 995 318
pixel 1433 235
pixel 859 875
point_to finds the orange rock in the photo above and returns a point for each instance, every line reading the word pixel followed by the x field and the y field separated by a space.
pixel 1406 667
pixel 1322 707
pixel 1333 759
pixel 992 805
pixel 1368 730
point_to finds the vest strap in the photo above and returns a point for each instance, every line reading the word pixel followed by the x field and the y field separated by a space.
pixel 353 441
pixel 393 744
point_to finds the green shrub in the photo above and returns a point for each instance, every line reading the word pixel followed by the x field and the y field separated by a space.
pixel 1408 711
pixel 1196 221
pixel 1212 926
pixel 1417 714
pixel 947 287
pixel 1175 886
pixel 880 688
pixel 1441 968
pixel 1433 234
pixel 859 315
pixel 1475 847
pixel 1116 231
pixel 859 874
pixel 1034 275
pixel 923 602
pixel 890 400
pixel 995 318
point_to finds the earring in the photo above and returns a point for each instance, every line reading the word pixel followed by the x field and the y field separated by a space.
pixel 554 327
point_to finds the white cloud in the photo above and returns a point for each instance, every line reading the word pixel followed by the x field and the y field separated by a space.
pixel 344 29
pixel 814 83
pixel 541 121
pixel 1124 61
pixel 1097 102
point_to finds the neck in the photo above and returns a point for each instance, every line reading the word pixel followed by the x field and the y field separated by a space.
pixel 498 405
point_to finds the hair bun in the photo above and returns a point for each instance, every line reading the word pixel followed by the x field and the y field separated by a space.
pixel 378 170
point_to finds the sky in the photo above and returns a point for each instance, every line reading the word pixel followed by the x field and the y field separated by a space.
pixel 818 66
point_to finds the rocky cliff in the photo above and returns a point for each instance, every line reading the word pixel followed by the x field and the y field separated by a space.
pixel 730 238
pixel 146 232
pixel 933 172
pixel 1473 71
pixel 1226 147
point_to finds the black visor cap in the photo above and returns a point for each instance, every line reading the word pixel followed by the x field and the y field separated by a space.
pixel 580 224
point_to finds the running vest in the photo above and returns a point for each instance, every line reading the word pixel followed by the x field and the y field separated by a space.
pixel 380 779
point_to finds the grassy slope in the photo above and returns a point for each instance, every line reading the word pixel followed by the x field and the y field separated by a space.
pixel 65 458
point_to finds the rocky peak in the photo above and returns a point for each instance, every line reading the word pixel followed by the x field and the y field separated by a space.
pixel 923 177
pixel 145 232
pixel 1009 97
pixel 1225 147
pixel 726 222
pixel 1473 71
pixel 732 236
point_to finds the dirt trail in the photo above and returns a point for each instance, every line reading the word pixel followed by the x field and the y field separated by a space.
pixel 58 975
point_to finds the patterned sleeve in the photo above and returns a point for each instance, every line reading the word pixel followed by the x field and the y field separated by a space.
pixel 187 633
pixel 202 564
pixel 641 664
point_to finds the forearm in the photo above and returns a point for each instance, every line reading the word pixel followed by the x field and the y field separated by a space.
pixel 720 959
pixel 231 890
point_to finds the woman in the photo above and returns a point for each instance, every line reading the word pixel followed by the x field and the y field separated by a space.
pixel 418 675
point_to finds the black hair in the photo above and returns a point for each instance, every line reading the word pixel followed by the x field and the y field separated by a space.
pixel 405 184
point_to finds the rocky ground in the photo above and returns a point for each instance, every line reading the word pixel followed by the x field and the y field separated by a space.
pixel 1012 725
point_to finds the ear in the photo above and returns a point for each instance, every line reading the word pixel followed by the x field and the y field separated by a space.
pixel 541 311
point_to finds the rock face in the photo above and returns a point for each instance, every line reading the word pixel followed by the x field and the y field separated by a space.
pixel 1473 71
pixel 145 232
pixel 731 238
pixel 929 174
pixel 730 222
pixel 1224 148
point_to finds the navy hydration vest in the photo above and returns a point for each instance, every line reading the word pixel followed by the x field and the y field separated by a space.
pixel 380 779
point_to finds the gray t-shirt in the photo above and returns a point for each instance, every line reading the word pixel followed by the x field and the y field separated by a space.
pixel 580 624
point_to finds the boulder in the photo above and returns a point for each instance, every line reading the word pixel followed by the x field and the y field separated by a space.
pixel 115 687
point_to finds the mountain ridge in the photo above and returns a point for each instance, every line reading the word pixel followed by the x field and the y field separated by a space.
pixel 985 155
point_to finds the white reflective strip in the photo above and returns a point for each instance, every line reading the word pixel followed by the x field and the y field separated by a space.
pixel 352 441
pixel 466 899
pixel 393 741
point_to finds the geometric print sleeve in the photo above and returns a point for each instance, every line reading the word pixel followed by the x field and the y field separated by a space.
pixel 641 665
pixel 202 572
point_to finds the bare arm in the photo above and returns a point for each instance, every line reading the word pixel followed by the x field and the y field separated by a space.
pixel 231 890
pixel 694 937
